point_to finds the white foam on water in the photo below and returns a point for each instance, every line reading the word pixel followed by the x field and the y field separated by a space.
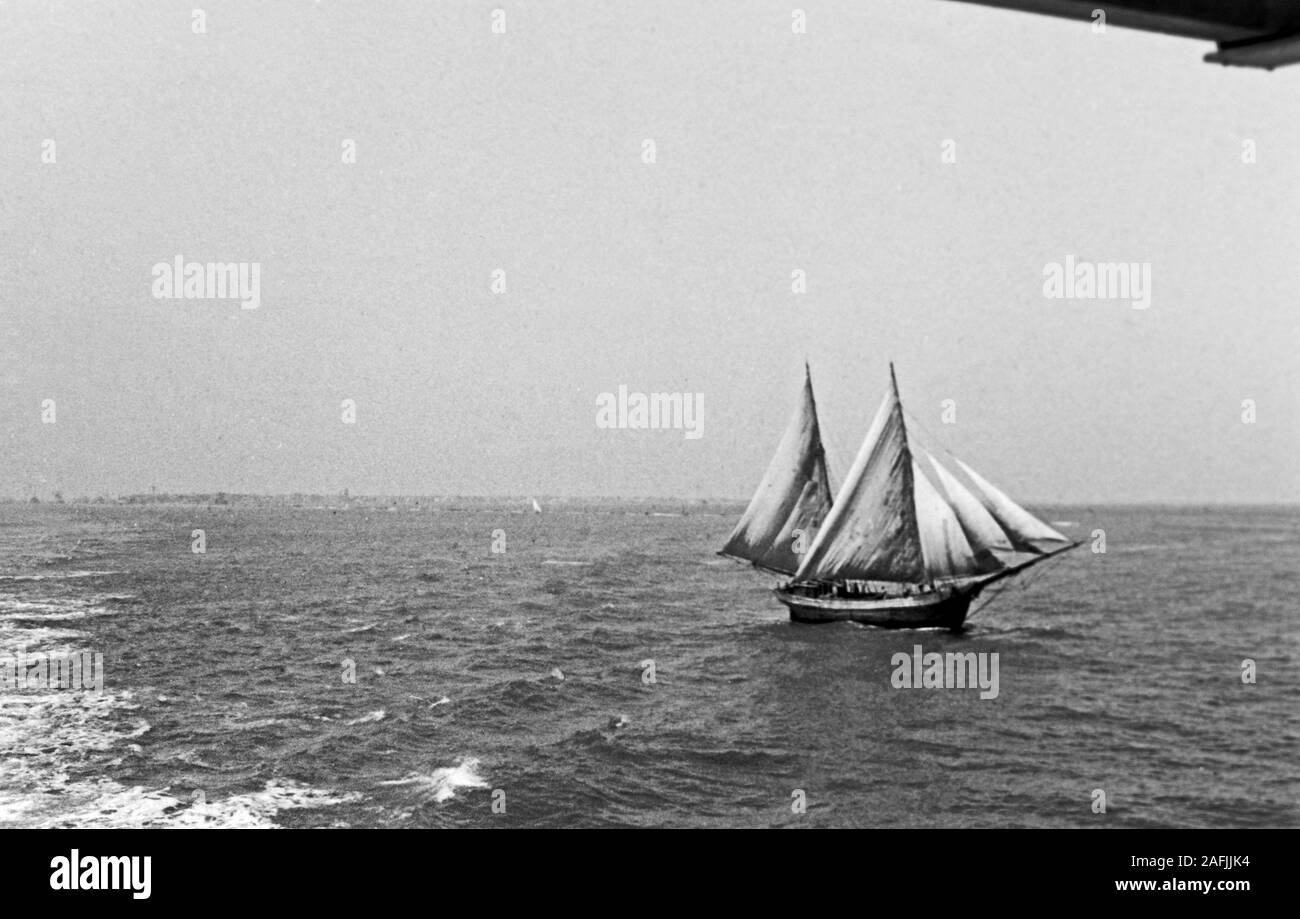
pixel 57 576
pixel 46 736
pixel 258 808
pixel 55 746
pixel 255 724
pixel 34 638
pixel 49 610
pixel 102 803
pixel 442 784
pixel 51 745
pixel 377 715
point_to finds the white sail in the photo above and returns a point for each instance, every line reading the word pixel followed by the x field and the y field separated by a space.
pixel 944 546
pixel 1025 530
pixel 793 499
pixel 900 535
pixel 871 531
pixel 982 531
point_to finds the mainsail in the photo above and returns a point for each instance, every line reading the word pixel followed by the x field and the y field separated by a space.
pixel 891 522
pixel 871 532
pixel 792 500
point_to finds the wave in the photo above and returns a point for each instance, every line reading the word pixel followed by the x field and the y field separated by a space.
pixel 14 639
pixel 254 725
pixel 61 576
pixel 50 737
pixel 442 784
pixel 49 610
pixel 377 715
pixel 102 803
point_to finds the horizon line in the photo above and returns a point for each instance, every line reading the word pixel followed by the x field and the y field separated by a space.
pixel 527 496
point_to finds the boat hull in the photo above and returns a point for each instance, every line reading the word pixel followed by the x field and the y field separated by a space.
pixel 928 611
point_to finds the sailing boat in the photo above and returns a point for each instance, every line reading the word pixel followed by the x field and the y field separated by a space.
pixel 537 508
pixel 905 542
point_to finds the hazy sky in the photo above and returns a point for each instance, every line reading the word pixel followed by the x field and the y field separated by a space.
pixel 523 152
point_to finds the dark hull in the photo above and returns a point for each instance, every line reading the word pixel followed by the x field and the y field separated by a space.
pixel 919 612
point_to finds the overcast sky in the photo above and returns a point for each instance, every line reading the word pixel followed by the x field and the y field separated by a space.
pixel 774 152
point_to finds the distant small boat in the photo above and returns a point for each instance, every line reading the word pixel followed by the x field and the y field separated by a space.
pixel 900 545
pixel 537 508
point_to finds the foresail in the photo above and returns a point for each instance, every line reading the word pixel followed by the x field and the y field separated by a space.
pixel 792 500
pixel 988 541
pixel 1027 532
pixel 871 531
pixel 944 546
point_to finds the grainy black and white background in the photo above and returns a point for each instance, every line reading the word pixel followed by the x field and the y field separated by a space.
pixel 302 534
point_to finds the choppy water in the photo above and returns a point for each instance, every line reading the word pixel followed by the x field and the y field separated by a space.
pixel 521 674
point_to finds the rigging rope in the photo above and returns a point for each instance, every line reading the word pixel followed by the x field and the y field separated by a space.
pixel 996 593
pixel 932 440
pixel 1023 585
